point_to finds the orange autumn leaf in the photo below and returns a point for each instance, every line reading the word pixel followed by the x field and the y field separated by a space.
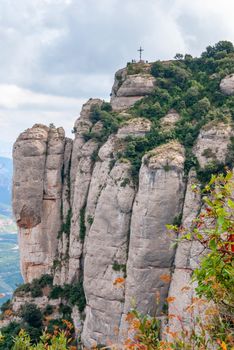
pixel 165 278
pixel 130 317
pixel 8 312
pixel 170 299
pixel 119 280
pixel 135 324
pixel 223 346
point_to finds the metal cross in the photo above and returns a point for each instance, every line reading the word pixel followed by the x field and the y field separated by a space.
pixel 140 50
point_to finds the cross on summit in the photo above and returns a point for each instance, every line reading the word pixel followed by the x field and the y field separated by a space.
pixel 140 50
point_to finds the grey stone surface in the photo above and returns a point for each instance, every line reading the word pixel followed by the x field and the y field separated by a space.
pixel 37 190
pixel 169 120
pixel 125 223
pixel 227 85
pixel 158 201
pixel 212 143
pixel 107 243
pixel 136 127
pixel 128 89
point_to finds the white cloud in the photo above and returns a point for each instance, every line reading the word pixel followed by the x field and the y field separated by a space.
pixel 14 97
pixel 21 108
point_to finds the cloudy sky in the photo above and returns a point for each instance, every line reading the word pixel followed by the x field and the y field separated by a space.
pixel 55 54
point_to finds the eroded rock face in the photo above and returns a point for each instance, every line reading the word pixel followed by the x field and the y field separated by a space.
pixel 29 155
pixel 212 143
pixel 128 89
pixel 82 218
pixel 107 244
pixel 211 146
pixel 181 287
pixel 136 85
pixel 171 118
pixel 136 127
pixel 161 185
pixel 37 189
pixel 227 85
pixel 82 164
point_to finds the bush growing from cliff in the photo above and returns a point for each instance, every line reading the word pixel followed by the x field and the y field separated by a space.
pixel 35 288
pixel 66 226
pixel 110 122
pixel 32 315
pixel 5 306
pixel 73 294
pixel 82 224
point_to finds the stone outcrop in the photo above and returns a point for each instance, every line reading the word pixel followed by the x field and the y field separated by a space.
pixel 171 118
pixel 136 127
pixel 82 217
pixel 212 143
pixel 130 88
pixel 227 85
pixel 161 184
pixel 37 191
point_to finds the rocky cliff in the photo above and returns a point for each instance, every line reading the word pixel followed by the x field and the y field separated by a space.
pixel 94 210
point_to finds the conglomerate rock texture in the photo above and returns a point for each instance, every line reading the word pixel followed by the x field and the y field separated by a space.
pixel 82 217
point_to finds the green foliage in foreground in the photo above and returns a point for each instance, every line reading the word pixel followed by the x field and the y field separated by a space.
pixel 211 314
pixel 214 230
pixel 56 342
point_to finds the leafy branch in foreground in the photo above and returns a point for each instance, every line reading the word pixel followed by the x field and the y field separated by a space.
pixel 214 230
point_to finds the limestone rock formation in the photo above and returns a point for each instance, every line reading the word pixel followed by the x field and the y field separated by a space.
pixel 136 127
pixel 84 218
pixel 37 190
pixel 212 143
pixel 171 118
pixel 227 85
pixel 160 183
pixel 130 88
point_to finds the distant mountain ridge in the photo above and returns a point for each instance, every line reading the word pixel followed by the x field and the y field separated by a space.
pixel 6 171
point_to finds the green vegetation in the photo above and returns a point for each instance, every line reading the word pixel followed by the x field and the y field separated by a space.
pixel 191 87
pixel 119 267
pixel 8 333
pixel 61 337
pixel 215 276
pixel 90 219
pixel 110 122
pixel 125 182
pixel 82 224
pixel 35 287
pixel 66 226
pixel 48 310
pixel 32 315
pixel 211 312
pixel 6 306
pixel 73 294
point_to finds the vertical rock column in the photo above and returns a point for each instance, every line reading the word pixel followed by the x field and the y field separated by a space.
pixel 60 263
pixel 37 186
pixel 158 202
pixel 210 148
pixel 181 287
pixel 106 256
pixel 81 173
